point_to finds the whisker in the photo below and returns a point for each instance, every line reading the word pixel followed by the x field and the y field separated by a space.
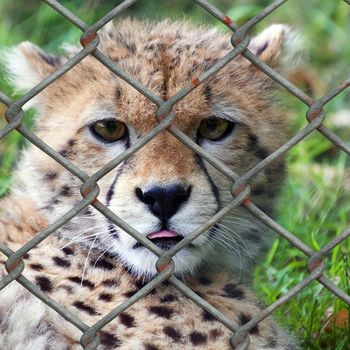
pixel 228 232
pixel 222 243
pixel 104 252
pixel 82 239
pixel 86 260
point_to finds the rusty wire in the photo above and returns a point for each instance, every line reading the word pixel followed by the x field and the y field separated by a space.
pixel 240 184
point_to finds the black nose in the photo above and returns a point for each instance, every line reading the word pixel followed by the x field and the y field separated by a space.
pixel 164 202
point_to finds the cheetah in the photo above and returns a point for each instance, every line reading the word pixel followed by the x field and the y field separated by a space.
pixel 164 190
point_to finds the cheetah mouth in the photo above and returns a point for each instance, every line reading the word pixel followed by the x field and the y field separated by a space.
pixel 164 239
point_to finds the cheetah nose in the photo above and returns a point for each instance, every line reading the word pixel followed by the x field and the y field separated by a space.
pixel 165 201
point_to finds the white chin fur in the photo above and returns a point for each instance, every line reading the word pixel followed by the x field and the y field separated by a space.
pixel 142 262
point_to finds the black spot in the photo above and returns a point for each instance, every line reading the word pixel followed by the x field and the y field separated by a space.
pixel 102 264
pixel 61 262
pixel 171 332
pixel 149 47
pixel 106 297
pixel 66 191
pixel 117 93
pixel 127 320
pixel 137 245
pixel 68 251
pixel 215 333
pixel 51 175
pixel 26 256
pixel 208 316
pixel 113 230
pixel 71 142
pixel 140 283
pixel 130 293
pixel 262 153
pixel 262 48
pixel 52 203
pixel 82 306
pixel 204 280
pixel 36 267
pixel 150 347
pixel 168 298
pixel 244 318
pixel 207 92
pixel 162 311
pixel 64 153
pixel 232 290
pixel 43 283
pixel 84 283
pixel 198 338
pixel 111 283
pixel 199 294
pixel 109 340
pixel 128 270
pixel 9 238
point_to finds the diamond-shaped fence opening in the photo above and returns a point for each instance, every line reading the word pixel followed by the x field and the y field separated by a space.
pixel 240 184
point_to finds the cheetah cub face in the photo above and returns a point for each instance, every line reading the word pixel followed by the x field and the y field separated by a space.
pixel 164 190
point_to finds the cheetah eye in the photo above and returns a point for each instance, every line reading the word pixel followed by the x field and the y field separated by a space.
pixel 109 130
pixel 214 128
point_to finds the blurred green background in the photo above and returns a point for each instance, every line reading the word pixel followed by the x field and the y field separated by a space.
pixel 315 203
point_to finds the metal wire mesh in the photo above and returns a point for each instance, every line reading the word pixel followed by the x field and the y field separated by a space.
pixel 240 184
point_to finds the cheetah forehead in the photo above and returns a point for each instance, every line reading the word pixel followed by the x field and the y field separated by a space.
pixel 163 56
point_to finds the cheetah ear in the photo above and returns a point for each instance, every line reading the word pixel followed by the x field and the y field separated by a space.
pixel 27 65
pixel 279 46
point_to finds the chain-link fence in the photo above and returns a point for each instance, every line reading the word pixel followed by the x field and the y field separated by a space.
pixel 240 184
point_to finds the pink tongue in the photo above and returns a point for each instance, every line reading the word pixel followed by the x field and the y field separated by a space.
pixel 162 234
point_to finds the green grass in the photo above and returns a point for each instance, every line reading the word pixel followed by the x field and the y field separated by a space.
pixel 314 207
pixel 314 203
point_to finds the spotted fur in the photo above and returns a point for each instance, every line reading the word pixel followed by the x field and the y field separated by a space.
pixel 90 265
